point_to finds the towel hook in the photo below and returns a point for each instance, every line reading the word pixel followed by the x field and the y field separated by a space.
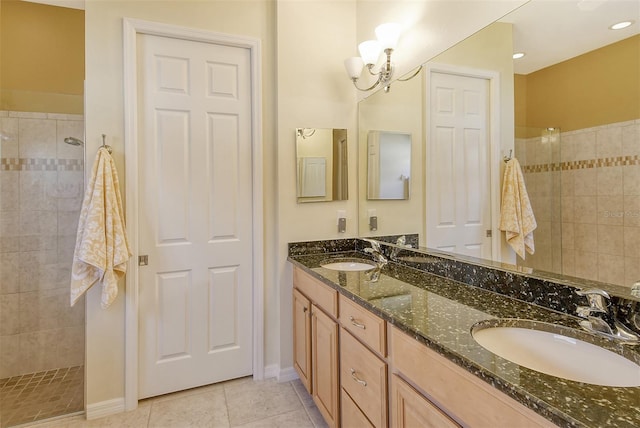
pixel 508 158
pixel 105 145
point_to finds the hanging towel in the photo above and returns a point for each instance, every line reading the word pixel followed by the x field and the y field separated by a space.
pixel 516 216
pixel 102 248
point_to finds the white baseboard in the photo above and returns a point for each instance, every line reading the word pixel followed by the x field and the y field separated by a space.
pixel 271 370
pixel 282 375
pixel 105 408
pixel 288 374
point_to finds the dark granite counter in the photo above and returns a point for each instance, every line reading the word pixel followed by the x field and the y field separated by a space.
pixel 440 312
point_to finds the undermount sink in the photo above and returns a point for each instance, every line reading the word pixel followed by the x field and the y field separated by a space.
pixel 551 349
pixel 349 264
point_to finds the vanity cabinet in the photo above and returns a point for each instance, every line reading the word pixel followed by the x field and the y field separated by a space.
pixel 409 409
pixel 315 342
pixel 363 369
pixel 458 393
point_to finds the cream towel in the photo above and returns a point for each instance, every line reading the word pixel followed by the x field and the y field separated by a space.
pixel 102 248
pixel 516 216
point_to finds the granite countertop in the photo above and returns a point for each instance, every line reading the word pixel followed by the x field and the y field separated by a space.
pixel 440 312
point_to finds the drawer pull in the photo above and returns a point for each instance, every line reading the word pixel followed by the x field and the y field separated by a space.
pixel 356 323
pixel 357 379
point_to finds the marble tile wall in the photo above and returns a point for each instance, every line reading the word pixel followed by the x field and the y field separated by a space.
pixel 586 192
pixel 41 190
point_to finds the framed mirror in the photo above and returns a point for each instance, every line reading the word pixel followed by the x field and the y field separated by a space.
pixel 322 167
pixel 389 165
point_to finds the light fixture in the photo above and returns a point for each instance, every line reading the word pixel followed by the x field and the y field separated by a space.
pixel 388 35
pixel 518 55
pixel 621 25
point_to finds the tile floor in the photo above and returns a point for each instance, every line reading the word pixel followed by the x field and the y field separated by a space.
pixel 237 403
pixel 36 396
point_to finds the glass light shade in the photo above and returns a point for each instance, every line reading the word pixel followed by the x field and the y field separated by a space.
pixel 370 51
pixel 353 66
pixel 388 35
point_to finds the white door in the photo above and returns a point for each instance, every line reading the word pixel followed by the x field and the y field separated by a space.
pixel 195 313
pixel 458 173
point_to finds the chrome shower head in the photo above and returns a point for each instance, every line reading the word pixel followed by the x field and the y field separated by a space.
pixel 73 141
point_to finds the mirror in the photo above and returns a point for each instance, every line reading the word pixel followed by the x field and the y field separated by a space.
pixel 321 165
pixel 389 165
pixel 574 127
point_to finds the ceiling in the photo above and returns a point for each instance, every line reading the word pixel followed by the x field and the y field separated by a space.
pixel 551 31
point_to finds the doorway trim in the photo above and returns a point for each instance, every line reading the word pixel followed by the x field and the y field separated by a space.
pixel 131 29
pixel 494 162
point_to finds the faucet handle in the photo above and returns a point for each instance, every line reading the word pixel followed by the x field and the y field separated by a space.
pixel 375 246
pixel 598 299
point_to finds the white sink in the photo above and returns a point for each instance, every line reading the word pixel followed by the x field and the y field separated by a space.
pixel 559 355
pixel 349 265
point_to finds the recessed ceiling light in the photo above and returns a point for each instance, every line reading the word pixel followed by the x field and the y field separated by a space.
pixel 518 55
pixel 621 25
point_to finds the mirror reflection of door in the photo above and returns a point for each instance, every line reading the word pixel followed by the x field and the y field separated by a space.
pixel 389 165
pixel 321 165
pixel 458 172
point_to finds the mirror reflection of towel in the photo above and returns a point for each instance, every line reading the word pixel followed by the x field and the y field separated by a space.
pixel 516 216
pixel 102 249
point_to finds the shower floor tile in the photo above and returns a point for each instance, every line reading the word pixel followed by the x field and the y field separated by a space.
pixel 35 396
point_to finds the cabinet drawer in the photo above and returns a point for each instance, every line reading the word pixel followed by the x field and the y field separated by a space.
pixel 409 409
pixel 364 325
pixel 352 417
pixel 459 393
pixel 364 377
pixel 321 294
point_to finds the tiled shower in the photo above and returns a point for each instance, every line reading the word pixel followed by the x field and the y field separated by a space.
pixel 585 191
pixel 41 336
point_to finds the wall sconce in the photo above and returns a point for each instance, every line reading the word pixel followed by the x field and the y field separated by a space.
pixel 388 35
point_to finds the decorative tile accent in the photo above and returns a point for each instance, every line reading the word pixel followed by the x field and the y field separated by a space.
pixel 583 164
pixel 35 164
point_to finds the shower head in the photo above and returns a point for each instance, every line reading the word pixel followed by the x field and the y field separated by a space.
pixel 73 141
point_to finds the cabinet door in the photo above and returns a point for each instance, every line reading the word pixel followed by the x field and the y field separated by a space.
pixel 324 345
pixel 409 409
pixel 302 338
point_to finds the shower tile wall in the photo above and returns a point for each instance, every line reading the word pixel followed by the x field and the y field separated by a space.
pixel 599 198
pixel 41 189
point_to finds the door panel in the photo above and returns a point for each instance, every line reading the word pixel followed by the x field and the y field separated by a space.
pixel 195 214
pixel 458 190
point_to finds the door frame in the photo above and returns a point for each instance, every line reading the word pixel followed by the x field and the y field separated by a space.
pixel 493 159
pixel 131 29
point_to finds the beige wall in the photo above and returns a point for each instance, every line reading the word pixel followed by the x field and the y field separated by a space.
pixel 313 91
pixel 41 58
pixel 593 89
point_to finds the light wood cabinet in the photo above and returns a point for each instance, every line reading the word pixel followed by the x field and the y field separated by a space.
pixel 324 346
pixel 302 338
pixel 364 377
pixel 316 342
pixel 352 417
pixel 409 409
pixel 365 326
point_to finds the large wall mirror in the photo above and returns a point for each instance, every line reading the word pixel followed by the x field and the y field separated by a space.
pixel 569 111
pixel 321 161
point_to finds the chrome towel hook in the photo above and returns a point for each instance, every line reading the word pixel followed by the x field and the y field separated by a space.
pixel 105 145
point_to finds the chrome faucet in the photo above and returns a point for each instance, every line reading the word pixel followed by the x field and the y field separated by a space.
pixel 599 318
pixel 376 252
